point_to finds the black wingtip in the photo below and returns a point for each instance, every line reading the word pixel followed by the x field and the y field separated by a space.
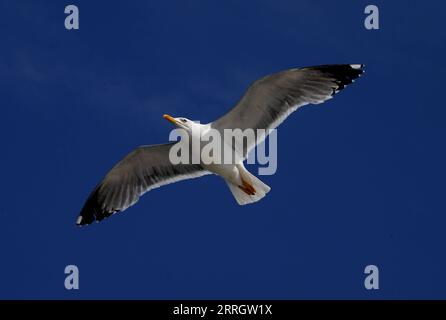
pixel 358 67
pixel 93 209
pixel 90 211
pixel 343 74
pixel 83 220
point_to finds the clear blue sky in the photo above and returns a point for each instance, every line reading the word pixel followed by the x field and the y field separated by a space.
pixel 360 180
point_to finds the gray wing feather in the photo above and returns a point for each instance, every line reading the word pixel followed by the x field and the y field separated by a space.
pixel 270 100
pixel 145 168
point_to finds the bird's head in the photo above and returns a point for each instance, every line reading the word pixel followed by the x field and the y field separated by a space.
pixel 180 122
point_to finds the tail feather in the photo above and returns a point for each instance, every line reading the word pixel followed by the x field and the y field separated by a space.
pixel 242 197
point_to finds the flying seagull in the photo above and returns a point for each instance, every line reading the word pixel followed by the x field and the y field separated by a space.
pixel 266 103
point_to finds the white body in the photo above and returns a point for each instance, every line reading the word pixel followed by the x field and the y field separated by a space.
pixel 234 174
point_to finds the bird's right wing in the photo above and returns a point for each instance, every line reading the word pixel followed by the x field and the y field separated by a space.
pixel 270 100
pixel 145 168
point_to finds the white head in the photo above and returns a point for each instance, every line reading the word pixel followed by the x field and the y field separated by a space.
pixel 182 122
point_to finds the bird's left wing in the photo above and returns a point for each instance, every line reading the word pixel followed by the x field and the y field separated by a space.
pixel 145 168
pixel 270 100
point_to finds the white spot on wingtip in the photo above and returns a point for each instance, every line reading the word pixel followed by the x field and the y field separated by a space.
pixel 79 220
pixel 356 66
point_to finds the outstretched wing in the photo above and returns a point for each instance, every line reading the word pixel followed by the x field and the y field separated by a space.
pixel 270 100
pixel 145 168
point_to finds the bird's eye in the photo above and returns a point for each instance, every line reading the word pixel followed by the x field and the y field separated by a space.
pixel 183 120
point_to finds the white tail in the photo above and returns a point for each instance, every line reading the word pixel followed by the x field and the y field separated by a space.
pixel 244 198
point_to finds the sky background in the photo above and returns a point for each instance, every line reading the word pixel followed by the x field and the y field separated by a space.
pixel 360 179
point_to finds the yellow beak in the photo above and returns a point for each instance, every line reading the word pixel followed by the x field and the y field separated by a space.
pixel 169 118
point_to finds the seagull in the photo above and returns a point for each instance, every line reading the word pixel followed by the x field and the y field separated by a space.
pixel 266 104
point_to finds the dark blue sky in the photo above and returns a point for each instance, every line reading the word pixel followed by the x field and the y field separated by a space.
pixel 360 180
